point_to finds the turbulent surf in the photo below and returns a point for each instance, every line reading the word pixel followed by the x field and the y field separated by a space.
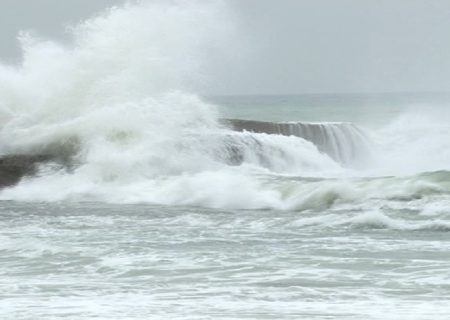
pixel 112 124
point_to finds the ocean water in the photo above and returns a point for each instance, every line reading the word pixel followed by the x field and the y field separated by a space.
pixel 164 212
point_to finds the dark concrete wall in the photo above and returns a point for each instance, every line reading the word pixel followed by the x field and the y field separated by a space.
pixel 13 168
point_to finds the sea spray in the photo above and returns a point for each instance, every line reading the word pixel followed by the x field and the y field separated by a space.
pixel 118 102
pixel 117 98
pixel 416 141
pixel 123 67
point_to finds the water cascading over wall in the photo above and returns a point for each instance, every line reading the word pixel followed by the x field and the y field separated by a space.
pixel 344 142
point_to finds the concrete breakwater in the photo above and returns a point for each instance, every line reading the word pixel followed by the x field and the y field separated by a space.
pixel 343 142
pixel 15 167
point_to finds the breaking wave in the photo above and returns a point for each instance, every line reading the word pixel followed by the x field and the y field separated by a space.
pixel 117 106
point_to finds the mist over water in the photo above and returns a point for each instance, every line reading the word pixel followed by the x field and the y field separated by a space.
pixel 162 199
pixel 119 99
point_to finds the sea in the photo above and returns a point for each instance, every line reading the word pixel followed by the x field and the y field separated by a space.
pixel 164 212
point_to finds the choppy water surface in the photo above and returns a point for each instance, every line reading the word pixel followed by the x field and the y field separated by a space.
pixel 160 211
pixel 83 261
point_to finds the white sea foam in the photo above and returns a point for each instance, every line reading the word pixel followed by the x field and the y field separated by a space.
pixel 367 241
pixel 118 97
pixel 416 141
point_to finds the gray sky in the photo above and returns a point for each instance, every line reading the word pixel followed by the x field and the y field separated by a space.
pixel 47 17
pixel 295 46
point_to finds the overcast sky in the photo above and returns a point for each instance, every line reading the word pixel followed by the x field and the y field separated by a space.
pixel 297 46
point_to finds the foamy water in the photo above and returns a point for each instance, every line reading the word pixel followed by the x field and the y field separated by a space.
pixel 164 212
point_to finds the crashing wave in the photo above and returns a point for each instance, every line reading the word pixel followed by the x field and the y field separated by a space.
pixel 344 142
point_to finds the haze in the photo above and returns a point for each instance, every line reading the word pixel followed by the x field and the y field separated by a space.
pixel 293 46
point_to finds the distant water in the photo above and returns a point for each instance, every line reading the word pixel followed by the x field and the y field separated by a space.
pixel 165 213
pixel 373 109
